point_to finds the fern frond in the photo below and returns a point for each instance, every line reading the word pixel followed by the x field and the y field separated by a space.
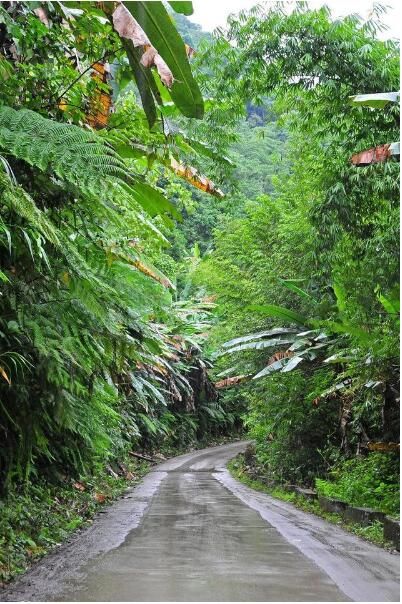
pixel 78 156
pixel 73 153
pixel 18 200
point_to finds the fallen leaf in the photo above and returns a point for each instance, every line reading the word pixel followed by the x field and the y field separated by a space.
pixel 99 497
pixel 79 486
pixel 383 447
pixel 150 273
pixel 281 354
pixel 231 381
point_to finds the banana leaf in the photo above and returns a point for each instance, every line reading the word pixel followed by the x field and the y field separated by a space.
pixel 158 26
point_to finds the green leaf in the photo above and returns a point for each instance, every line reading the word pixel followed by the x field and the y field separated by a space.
pixel 157 24
pixel 257 345
pixel 199 147
pixel 340 296
pixel 130 151
pixel 360 334
pixel 258 336
pixel 29 243
pixel 391 302
pixel 289 283
pixel 142 78
pixel 152 200
pixel 377 101
pixel 389 305
pixel 281 312
pixel 185 8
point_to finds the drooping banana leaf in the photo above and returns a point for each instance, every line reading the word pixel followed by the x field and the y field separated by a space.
pixel 256 336
pixel 281 312
pixel 270 369
pixel 257 345
pixel 292 363
pixel 378 100
pixel 158 26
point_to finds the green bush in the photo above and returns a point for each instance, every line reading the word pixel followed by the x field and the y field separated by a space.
pixel 37 517
pixel 289 431
pixel 371 481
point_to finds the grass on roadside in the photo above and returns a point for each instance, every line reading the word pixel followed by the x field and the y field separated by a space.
pixel 39 517
pixel 372 533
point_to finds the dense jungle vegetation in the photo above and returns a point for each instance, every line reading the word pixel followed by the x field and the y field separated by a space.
pixel 187 252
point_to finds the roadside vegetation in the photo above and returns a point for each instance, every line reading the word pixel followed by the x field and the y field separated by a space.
pixel 306 277
pixel 187 253
pixel 373 532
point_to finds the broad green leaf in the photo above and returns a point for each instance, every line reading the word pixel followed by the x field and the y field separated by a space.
pixel 340 296
pixel 359 333
pixel 270 369
pixel 378 100
pixel 157 24
pixel 289 283
pixel 6 68
pixel 152 200
pixel 391 301
pixel 281 312
pixel 130 151
pixel 185 8
pixel 258 345
pixel 256 336
pixel 201 148
pixel 4 277
pixel 292 363
pixel 142 78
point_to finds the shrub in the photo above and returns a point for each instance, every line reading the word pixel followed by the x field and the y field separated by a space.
pixel 371 481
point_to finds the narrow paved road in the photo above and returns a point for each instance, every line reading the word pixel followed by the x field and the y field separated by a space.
pixel 190 532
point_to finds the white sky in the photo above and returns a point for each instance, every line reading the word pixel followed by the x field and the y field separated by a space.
pixel 213 13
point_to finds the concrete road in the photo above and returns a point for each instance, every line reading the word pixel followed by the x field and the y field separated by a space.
pixel 190 532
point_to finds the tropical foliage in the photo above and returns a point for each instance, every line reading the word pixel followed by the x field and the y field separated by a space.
pixel 98 352
pixel 307 278
pixel 192 239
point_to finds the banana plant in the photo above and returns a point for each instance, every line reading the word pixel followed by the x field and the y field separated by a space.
pixel 296 345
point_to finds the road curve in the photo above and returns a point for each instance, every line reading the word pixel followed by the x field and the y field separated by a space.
pixel 189 532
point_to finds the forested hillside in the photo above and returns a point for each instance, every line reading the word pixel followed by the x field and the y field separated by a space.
pixel 188 253
pixel 306 278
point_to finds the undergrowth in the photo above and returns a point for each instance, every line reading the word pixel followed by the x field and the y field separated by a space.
pixel 371 481
pixel 39 517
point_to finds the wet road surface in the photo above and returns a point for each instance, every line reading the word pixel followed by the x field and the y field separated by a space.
pixel 190 532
